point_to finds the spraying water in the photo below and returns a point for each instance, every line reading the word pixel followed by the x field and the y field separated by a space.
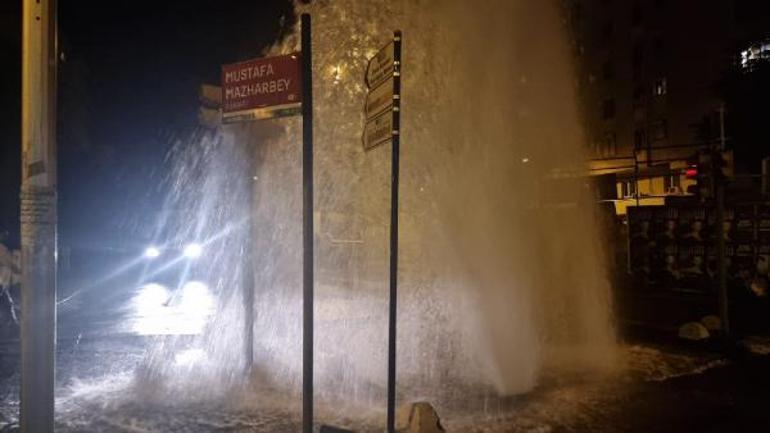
pixel 501 273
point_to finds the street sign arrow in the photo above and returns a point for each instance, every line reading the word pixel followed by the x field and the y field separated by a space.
pixel 381 66
pixel 378 130
pixel 379 99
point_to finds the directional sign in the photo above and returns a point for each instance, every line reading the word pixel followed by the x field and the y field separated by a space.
pixel 261 88
pixel 379 99
pixel 381 66
pixel 378 130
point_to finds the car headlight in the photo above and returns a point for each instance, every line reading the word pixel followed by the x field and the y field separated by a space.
pixel 193 251
pixel 152 252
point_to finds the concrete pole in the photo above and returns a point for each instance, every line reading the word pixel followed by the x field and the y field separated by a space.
pixel 38 216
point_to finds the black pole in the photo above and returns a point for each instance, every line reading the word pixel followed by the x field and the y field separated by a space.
pixel 307 227
pixel 395 152
pixel 247 272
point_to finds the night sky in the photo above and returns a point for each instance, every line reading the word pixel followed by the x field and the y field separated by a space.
pixel 127 86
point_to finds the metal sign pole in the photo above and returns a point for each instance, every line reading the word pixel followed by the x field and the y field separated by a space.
pixel 247 274
pixel 395 152
pixel 38 216
pixel 307 226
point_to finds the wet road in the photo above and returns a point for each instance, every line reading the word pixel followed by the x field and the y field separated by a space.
pixel 654 390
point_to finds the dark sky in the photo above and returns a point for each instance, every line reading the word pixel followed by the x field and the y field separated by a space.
pixel 129 81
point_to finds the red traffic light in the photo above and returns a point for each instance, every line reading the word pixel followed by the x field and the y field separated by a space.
pixel 691 173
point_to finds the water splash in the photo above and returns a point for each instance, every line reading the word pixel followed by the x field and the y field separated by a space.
pixel 501 272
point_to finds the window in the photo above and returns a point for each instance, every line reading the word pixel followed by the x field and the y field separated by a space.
pixel 637 57
pixel 577 14
pixel 597 148
pixel 755 55
pixel 659 129
pixel 629 188
pixel 607 31
pixel 608 108
pixel 672 183
pixel 640 139
pixel 637 14
pixel 639 96
pixel 660 88
pixel 608 71
pixel 658 48
pixel 610 144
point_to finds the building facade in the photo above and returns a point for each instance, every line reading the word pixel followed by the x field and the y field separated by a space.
pixel 649 72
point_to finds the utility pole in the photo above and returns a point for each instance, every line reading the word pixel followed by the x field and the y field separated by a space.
pixel 718 182
pixel 38 216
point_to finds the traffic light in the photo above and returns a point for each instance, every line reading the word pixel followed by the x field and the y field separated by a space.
pixel 707 168
pixel 698 169
pixel 692 170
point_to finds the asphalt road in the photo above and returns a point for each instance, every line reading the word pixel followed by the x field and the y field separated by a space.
pixel 656 388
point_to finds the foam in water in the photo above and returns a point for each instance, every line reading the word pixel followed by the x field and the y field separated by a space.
pixel 501 271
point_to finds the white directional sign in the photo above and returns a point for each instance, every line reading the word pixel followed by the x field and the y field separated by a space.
pixel 378 130
pixel 380 98
pixel 383 99
pixel 381 66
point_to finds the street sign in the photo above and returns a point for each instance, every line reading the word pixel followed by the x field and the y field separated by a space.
pixel 380 66
pixel 383 122
pixel 262 88
pixel 379 99
pixel 378 130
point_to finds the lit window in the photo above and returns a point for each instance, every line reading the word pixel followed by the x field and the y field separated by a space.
pixel 755 54
pixel 660 88
pixel 629 188
pixel 672 183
